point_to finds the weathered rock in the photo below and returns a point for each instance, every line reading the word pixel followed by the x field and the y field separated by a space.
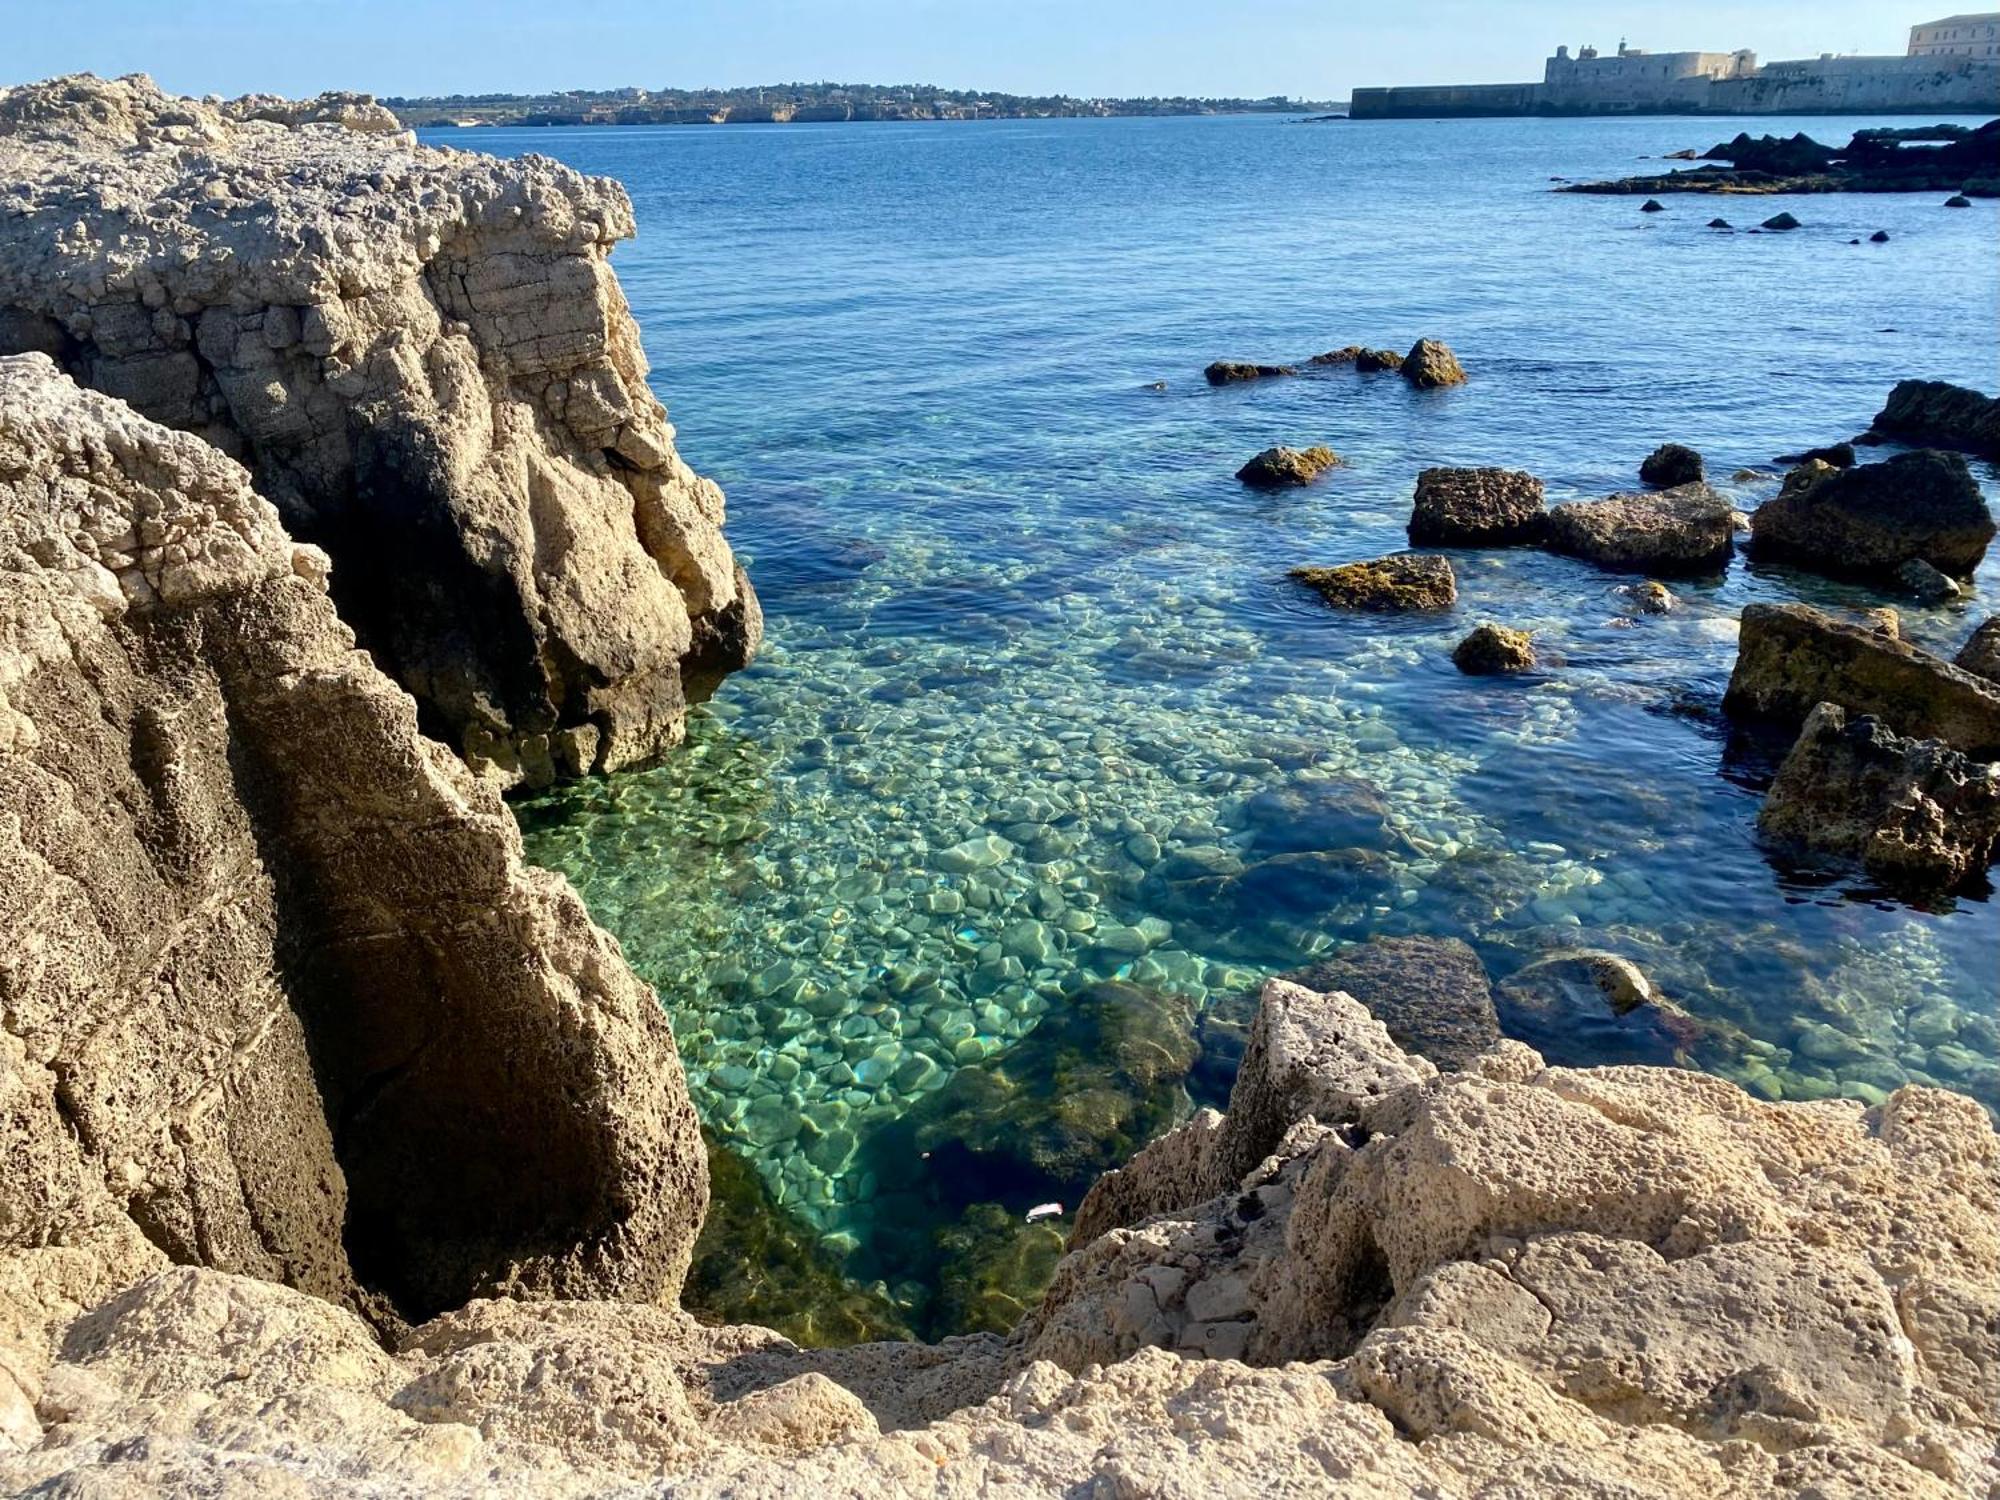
pixel 1494 649
pixel 1980 654
pixel 1835 456
pixel 1867 522
pixel 280 992
pixel 1400 581
pixel 1277 468
pixel 1432 994
pixel 1597 1005
pixel 1885 621
pixel 1790 658
pixel 1376 361
pixel 1233 372
pixel 1652 206
pixel 1649 598
pixel 1781 222
pixel 1677 531
pixel 1671 465
pixel 1924 583
pixel 1934 412
pixel 1915 814
pixel 1431 364
pixel 426 362
pixel 1477 508
pixel 1343 356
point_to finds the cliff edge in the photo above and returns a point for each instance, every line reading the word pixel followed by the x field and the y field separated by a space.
pixel 427 364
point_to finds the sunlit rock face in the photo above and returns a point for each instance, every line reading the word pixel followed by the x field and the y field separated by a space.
pixel 424 358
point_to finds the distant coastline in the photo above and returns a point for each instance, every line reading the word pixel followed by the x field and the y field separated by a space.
pixel 803 104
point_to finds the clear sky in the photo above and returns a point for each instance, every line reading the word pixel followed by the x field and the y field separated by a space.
pixel 1304 48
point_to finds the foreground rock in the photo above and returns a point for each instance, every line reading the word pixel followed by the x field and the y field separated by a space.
pixel 1931 411
pixel 1915 814
pixel 1678 531
pixel 1791 658
pixel 1671 465
pixel 1867 522
pixel 1980 655
pixel 426 362
pixel 281 996
pixel 1400 581
pixel 1477 508
pixel 1430 365
pixel 1280 468
pixel 1494 649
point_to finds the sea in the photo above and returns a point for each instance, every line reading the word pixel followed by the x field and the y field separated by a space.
pixel 966 889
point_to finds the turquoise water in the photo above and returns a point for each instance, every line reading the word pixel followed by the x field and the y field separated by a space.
pixel 1040 713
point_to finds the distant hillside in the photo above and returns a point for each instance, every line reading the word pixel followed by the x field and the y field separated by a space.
pixel 802 103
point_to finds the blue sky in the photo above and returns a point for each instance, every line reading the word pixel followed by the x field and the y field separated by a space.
pixel 1306 48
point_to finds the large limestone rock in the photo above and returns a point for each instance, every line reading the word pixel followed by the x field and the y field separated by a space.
pixel 280 996
pixel 1790 658
pixel 1684 530
pixel 425 360
pixel 1430 364
pixel 1399 582
pixel 1932 411
pixel 1870 521
pixel 1915 814
pixel 1477 508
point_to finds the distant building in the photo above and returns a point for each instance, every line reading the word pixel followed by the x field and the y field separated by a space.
pixel 1632 79
pixel 1957 36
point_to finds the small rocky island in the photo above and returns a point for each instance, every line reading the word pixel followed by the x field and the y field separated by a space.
pixel 1925 159
pixel 346 1155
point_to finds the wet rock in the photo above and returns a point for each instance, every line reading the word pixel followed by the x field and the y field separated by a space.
pixel 1836 456
pixel 1915 814
pixel 1791 658
pixel 1337 813
pixel 1980 654
pixel 1720 224
pixel 1885 621
pixel 1431 993
pixel 1650 598
pixel 992 1268
pixel 1373 361
pixel 1867 522
pixel 1678 531
pixel 1494 649
pixel 1934 412
pixel 1671 465
pixel 1926 584
pixel 1400 581
pixel 1309 886
pixel 1879 237
pixel 1275 468
pixel 1595 1005
pixel 1345 356
pixel 1431 364
pixel 1652 206
pixel 1958 200
pixel 1781 222
pixel 1234 372
pixel 1477 508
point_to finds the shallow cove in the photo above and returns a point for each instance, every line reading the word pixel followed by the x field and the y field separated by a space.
pixel 1047 764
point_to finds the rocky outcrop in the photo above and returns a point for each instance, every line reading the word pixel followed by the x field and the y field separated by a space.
pixel 1790 658
pixel 1235 372
pixel 1477 508
pixel 423 357
pixel 279 995
pixel 1980 655
pixel 1932 411
pixel 1915 814
pixel 1671 465
pixel 1281 468
pixel 1378 361
pixel 1867 522
pixel 1677 531
pixel 1430 364
pixel 1400 581
pixel 1494 649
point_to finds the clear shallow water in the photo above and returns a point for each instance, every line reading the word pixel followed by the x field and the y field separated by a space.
pixel 1037 692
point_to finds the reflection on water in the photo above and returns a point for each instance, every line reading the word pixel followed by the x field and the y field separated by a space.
pixel 964 889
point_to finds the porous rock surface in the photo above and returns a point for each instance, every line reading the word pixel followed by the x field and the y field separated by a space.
pixel 424 358
pixel 1672 464
pixel 1688 529
pixel 279 995
pixel 1870 521
pixel 1400 581
pixel 1477 508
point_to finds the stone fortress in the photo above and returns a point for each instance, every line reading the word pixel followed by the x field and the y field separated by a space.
pixel 1953 65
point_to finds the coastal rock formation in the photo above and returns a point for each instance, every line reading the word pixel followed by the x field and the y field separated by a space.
pixel 1477 508
pixel 1671 465
pixel 1837 456
pixel 426 362
pixel 1278 468
pixel 1431 364
pixel 1233 372
pixel 1867 522
pixel 1377 361
pixel 1685 530
pixel 280 996
pixel 1492 649
pixel 1980 654
pixel 1923 159
pixel 1790 658
pixel 1400 581
pixel 1915 814
pixel 1431 994
pixel 1932 411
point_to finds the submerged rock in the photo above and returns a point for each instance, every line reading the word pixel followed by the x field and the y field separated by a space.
pixel 1925 583
pixel 1677 531
pixel 1374 361
pixel 1400 581
pixel 1791 658
pixel 1652 206
pixel 1598 1005
pixel 1477 508
pixel 1343 356
pixel 993 1268
pixel 1980 654
pixel 1781 222
pixel 1492 649
pixel 424 359
pixel 1234 372
pixel 1431 364
pixel 1671 465
pixel 1276 468
pixel 1958 200
pixel 1650 598
pixel 1432 994
pixel 1867 522
pixel 1915 814
pixel 1932 411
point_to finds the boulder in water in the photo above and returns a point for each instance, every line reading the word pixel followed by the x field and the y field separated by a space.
pixel 1400 581
pixel 1980 654
pixel 1720 224
pixel 1276 468
pixel 1834 456
pixel 1430 365
pixel 1879 237
pixel 1371 361
pixel 1868 521
pixel 1494 649
pixel 1781 222
pixel 1652 206
pixel 1596 1006
pixel 1672 464
pixel 1939 414
pixel 1678 531
pixel 1343 356
pixel 1233 372
pixel 1477 508
pixel 1958 200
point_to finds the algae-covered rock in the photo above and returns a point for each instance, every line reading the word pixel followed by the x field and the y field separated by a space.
pixel 993 1267
pixel 1400 581
pixel 1430 365
pixel 1494 649
pixel 1671 465
pixel 1377 361
pixel 1431 993
pixel 1477 508
pixel 1275 468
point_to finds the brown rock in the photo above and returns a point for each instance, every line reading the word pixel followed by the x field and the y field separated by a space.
pixel 1431 364
pixel 1233 372
pixel 1677 531
pixel 1934 412
pixel 1477 508
pixel 1373 361
pixel 1492 649
pixel 1277 468
pixel 1867 522
pixel 1400 581
pixel 1431 993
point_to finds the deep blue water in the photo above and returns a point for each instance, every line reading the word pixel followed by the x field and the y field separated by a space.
pixel 1033 658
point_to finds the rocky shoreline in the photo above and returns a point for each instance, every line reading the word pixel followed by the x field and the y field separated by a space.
pixel 1934 159
pixel 345 1155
